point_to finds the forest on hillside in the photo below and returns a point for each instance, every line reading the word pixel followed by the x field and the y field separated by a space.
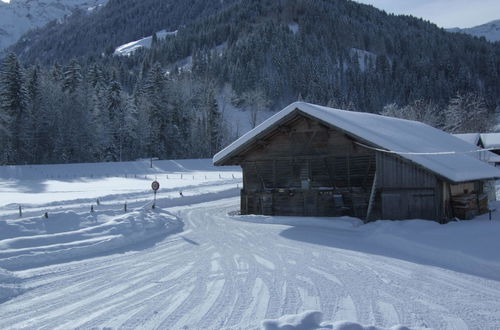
pixel 62 103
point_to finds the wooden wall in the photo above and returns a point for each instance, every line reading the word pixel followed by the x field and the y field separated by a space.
pixel 306 168
pixel 406 191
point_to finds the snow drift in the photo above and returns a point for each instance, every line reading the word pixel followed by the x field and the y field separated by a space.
pixel 9 285
pixel 465 246
pixel 310 320
pixel 69 235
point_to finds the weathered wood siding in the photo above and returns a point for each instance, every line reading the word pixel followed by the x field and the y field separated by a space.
pixel 306 168
pixel 406 191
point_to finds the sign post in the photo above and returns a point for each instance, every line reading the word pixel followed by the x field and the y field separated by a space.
pixel 155 185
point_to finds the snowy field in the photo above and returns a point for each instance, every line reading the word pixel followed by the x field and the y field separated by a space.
pixel 193 263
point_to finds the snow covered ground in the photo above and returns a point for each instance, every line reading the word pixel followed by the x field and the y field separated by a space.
pixel 192 263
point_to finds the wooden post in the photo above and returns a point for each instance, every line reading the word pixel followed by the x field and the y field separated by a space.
pixel 349 172
pixel 372 198
pixel 20 211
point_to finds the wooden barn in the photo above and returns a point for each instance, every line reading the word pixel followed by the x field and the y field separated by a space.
pixel 310 160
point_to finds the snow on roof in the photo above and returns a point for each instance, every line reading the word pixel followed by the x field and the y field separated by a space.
pixel 472 138
pixel 491 140
pixel 387 133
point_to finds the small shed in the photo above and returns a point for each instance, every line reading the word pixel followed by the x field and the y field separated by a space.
pixel 490 141
pixel 310 160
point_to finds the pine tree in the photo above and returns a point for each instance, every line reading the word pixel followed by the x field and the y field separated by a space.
pixel 13 103
pixel 154 99
pixel 72 76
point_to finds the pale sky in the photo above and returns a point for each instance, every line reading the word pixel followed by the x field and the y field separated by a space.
pixel 444 13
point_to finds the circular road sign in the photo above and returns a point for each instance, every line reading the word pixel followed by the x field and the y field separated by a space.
pixel 155 185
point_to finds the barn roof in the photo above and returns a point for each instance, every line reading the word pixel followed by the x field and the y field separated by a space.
pixel 472 138
pixel 392 134
pixel 491 140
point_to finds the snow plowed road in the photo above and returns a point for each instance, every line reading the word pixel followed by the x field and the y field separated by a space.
pixel 220 273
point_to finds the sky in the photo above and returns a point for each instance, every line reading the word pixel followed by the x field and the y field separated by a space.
pixel 444 13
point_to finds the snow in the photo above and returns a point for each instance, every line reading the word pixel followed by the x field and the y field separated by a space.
pixel 9 285
pixel 365 58
pixel 491 30
pixel 294 27
pixel 193 263
pixel 491 140
pixel 310 320
pixel 18 17
pixel 129 48
pixel 399 135
pixel 426 241
pixel 472 138
pixel 476 138
pixel 304 321
pixel 339 223
pixel 68 235
pixel 67 192
pixel 238 120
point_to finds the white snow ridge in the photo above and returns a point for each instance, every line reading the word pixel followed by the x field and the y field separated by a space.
pixel 9 286
pixel 311 320
pixel 129 48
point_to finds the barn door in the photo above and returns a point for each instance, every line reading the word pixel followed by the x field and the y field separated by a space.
pixel 409 204
pixel 393 207
pixel 422 204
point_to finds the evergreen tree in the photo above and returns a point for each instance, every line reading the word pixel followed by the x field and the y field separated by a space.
pixel 13 104
pixel 72 76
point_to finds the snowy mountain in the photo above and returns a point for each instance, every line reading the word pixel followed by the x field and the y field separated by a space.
pixel 491 30
pixel 20 16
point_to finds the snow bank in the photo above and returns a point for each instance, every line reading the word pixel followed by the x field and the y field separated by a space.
pixel 310 320
pixel 466 246
pixel 333 223
pixel 304 321
pixel 69 235
pixel 9 285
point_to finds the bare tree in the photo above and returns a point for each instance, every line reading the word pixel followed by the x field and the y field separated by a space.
pixel 419 110
pixel 255 101
pixel 467 114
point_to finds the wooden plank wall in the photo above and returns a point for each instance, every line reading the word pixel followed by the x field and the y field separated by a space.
pixel 406 191
pixel 303 168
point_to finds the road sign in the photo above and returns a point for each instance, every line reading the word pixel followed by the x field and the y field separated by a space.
pixel 155 185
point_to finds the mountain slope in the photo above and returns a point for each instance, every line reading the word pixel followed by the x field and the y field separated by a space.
pixel 20 16
pixel 117 23
pixel 491 30
pixel 253 55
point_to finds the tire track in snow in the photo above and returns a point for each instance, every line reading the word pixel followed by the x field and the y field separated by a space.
pixel 226 274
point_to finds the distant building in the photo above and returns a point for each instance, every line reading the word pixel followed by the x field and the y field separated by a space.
pixel 484 141
pixel 310 160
